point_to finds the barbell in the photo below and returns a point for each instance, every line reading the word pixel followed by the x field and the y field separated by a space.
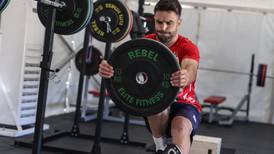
pixel 261 73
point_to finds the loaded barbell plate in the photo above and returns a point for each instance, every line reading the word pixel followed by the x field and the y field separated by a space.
pixel 2 2
pixel 3 5
pixel 129 27
pixel 141 82
pixel 88 18
pixel 70 19
pixel 92 64
pixel 111 21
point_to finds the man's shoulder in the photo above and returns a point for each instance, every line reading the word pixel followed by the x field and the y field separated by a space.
pixel 185 40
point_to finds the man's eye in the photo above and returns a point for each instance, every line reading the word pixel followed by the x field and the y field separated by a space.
pixel 168 23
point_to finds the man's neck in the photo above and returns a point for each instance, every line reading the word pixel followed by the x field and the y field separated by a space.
pixel 170 43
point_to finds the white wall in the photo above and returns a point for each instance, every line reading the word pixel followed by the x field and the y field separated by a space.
pixel 227 40
pixel 12 44
pixel 18 33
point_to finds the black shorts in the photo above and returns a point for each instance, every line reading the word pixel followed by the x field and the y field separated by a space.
pixel 186 110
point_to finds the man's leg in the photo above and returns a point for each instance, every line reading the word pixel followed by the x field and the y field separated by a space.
pixel 181 129
pixel 158 124
pixel 184 124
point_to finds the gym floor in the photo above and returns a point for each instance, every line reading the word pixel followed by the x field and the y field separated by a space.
pixel 241 138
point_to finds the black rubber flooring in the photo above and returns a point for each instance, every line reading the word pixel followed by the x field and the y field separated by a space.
pixel 241 138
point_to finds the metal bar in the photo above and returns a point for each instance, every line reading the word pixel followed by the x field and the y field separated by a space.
pixel 63 63
pixel 225 71
pixel 44 80
pixel 269 77
pixel 231 72
pixel 141 7
pixel 124 136
pixel 56 4
pixel 96 149
pixel 198 27
pixel 85 101
pixel 96 81
pixel 75 129
pixel 239 106
pixel 66 43
pixel 233 115
pixel 249 90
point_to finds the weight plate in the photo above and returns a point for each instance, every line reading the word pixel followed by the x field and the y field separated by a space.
pixel 3 5
pixel 70 19
pixel 261 75
pixel 92 64
pixel 141 82
pixel 110 21
pixel 88 18
pixel 129 27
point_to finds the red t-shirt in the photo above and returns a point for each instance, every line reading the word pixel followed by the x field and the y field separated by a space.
pixel 184 48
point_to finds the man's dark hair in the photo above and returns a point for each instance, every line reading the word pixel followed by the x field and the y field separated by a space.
pixel 169 5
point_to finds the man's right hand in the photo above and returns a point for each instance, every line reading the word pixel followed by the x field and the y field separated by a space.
pixel 105 69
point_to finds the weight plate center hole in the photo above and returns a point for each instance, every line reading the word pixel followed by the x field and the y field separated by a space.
pixel 141 78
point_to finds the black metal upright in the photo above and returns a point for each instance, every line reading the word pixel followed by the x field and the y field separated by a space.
pixel 124 137
pixel 249 90
pixel 44 80
pixel 141 7
pixel 96 149
pixel 87 40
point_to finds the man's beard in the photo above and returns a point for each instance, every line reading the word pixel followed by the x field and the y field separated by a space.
pixel 165 37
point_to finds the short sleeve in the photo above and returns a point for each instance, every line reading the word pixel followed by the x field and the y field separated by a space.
pixel 191 51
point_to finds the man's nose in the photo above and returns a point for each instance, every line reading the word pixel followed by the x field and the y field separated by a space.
pixel 163 27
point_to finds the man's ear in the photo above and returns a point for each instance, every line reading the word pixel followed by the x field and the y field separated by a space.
pixel 180 21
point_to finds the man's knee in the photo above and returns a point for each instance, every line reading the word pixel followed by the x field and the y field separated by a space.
pixel 181 124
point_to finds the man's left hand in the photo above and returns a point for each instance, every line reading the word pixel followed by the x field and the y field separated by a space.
pixel 180 78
